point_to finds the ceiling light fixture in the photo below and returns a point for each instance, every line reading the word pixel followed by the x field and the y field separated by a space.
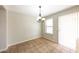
pixel 40 18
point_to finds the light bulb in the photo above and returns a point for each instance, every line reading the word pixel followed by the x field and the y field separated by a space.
pixel 39 17
pixel 43 19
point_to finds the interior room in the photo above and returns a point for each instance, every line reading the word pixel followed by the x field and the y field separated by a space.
pixel 39 28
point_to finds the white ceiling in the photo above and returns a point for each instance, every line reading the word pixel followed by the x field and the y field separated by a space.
pixel 34 10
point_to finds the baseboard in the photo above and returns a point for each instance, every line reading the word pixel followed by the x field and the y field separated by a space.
pixel 23 41
pixel 50 39
pixel 4 49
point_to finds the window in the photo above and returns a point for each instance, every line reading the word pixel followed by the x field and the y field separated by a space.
pixel 49 26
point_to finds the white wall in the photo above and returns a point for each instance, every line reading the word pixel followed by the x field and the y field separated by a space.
pixel 3 38
pixel 22 27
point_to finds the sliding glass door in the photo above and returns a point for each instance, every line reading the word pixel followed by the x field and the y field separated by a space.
pixel 68 30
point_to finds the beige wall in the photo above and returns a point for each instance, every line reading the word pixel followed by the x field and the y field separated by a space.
pixel 3 37
pixel 54 36
pixel 22 27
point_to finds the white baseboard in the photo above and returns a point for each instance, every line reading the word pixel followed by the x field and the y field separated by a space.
pixel 51 39
pixel 23 41
pixel 3 49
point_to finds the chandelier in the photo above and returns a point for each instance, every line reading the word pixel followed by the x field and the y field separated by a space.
pixel 40 18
